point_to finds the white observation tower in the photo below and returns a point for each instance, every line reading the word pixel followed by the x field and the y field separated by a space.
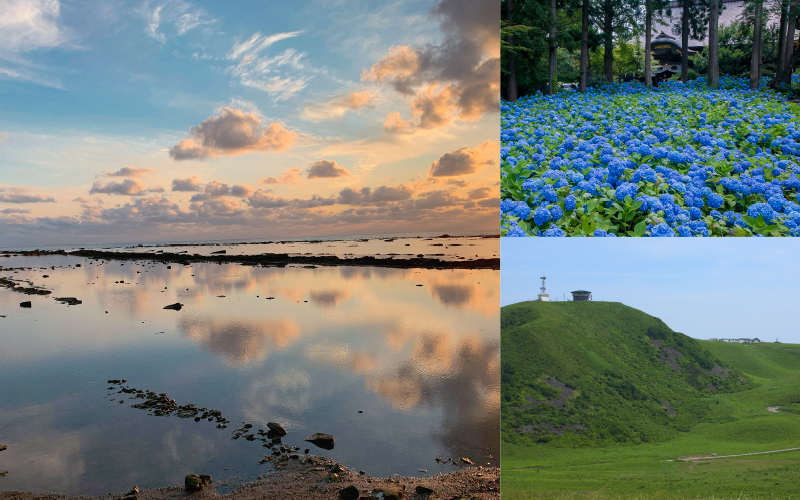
pixel 543 297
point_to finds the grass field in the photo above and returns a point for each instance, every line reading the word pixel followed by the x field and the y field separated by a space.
pixel 670 470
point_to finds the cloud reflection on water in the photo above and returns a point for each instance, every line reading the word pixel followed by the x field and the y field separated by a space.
pixel 239 340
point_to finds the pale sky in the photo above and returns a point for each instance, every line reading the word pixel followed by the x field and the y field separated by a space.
pixel 702 287
pixel 149 120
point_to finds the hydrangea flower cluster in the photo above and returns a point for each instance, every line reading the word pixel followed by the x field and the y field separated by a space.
pixel 677 160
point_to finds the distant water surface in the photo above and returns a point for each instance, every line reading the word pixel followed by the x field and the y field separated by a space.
pixel 421 362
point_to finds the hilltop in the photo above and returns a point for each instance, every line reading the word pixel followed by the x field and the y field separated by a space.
pixel 588 374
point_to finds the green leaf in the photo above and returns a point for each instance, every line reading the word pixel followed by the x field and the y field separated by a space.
pixel 640 228
pixel 750 221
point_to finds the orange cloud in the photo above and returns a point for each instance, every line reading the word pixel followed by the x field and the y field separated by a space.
pixel 327 169
pixel 394 124
pixel 400 67
pixel 23 195
pixel 338 106
pixel 128 171
pixel 232 132
pixel 128 187
pixel 465 161
pixel 292 176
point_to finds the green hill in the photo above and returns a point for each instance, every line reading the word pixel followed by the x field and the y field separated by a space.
pixel 587 374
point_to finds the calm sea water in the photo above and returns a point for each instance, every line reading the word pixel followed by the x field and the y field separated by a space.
pixel 421 362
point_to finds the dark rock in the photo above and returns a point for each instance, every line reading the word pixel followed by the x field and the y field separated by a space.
pixel 324 441
pixel 175 307
pixel 349 493
pixel 205 478
pixel 277 429
pixel 27 303
pixel 219 252
pixel 192 482
pixel 70 301
pixel 423 490
pixel 133 494
pixel 3 447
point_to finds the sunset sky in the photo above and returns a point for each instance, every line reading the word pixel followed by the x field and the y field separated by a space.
pixel 126 121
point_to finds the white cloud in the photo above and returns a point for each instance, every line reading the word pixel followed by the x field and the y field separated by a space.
pixel 182 16
pixel 30 24
pixel 282 75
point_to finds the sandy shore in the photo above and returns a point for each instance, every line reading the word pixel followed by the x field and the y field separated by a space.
pixel 310 478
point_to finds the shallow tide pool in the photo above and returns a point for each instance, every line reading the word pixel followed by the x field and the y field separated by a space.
pixel 420 362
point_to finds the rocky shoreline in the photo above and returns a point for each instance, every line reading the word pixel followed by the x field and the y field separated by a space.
pixel 273 260
pixel 314 477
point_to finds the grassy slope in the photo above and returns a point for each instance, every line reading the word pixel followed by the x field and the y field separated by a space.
pixel 603 350
pixel 735 422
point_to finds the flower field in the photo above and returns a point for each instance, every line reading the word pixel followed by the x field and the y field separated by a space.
pixel 678 160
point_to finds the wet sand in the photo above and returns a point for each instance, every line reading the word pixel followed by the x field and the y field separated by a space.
pixel 310 478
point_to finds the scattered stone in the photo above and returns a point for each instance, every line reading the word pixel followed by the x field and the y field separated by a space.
pixel 193 483
pixel 467 461
pixel 133 494
pixel 219 252
pixel 3 447
pixel 423 490
pixel 175 307
pixel 389 492
pixel 27 304
pixel 349 493
pixel 277 429
pixel 324 441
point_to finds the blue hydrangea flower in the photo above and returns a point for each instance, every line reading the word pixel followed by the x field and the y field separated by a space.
pixel 541 216
pixel 662 230
pixel 762 209
pixel 715 200
pixel 626 189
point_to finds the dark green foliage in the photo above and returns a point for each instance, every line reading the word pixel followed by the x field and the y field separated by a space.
pixel 736 47
pixel 622 381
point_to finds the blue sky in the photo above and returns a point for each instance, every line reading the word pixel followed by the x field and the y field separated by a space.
pixel 703 287
pixel 331 117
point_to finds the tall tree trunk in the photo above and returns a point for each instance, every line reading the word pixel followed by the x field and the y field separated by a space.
pixel 584 45
pixel 713 45
pixel 608 40
pixel 791 62
pixel 553 48
pixel 685 42
pixel 511 63
pixel 781 62
pixel 755 59
pixel 648 28
pixel 794 10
